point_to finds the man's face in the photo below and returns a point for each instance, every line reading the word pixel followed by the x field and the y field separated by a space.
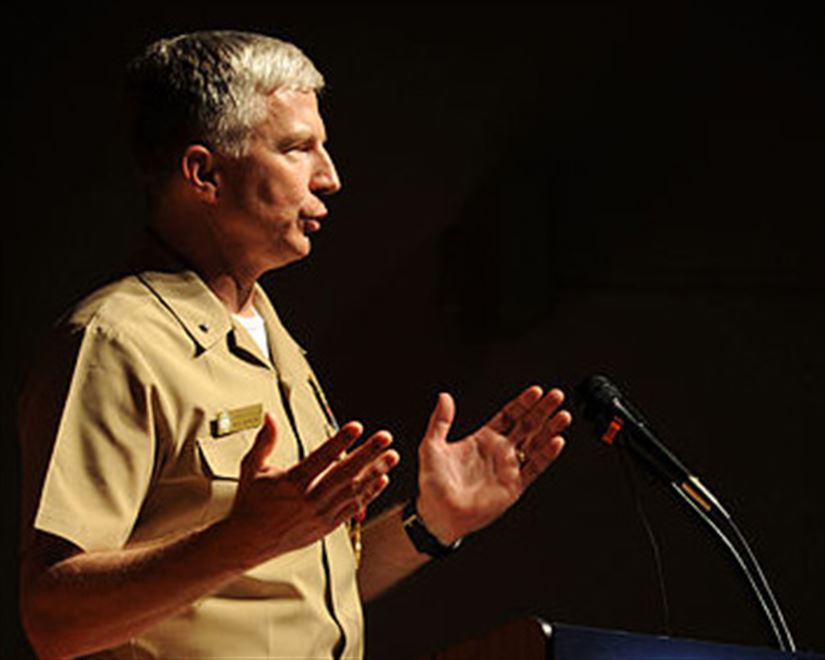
pixel 269 199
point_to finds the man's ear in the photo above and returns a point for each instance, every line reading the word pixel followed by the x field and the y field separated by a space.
pixel 198 170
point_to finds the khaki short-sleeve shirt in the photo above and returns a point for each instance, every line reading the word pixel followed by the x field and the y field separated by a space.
pixel 133 427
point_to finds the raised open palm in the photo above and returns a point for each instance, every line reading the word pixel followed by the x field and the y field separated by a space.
pixel 465 485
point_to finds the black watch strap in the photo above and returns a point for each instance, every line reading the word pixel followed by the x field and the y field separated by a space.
pixel 421 537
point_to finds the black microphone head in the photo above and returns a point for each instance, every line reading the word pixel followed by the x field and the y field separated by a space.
pixel 596 394
pixel 617 422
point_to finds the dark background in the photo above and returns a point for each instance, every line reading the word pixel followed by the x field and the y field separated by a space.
pixel 530 195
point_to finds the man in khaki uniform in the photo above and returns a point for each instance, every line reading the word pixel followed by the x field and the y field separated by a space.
pixel 187 492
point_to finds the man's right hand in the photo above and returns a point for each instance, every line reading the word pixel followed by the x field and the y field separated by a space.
pixel 75 602
pixel 277 510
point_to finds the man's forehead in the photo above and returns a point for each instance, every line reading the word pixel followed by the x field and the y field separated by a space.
pixel 292 110
pixel 293 97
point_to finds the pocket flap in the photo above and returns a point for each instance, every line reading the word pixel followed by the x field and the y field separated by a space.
pixel 222 456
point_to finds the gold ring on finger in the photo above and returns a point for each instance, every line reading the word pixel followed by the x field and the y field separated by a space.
pixel 521 457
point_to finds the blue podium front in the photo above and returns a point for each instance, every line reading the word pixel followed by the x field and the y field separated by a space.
pixel 580 643
pixel 534 639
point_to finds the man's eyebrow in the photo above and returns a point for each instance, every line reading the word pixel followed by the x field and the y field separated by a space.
pixel 296 137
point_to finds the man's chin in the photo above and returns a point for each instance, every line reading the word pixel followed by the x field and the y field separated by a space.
pixel 300 250
pixel 296 252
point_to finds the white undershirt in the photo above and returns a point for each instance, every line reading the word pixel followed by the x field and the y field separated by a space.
pixel 256 328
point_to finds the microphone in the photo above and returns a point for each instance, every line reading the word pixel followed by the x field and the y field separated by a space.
pixel 619 423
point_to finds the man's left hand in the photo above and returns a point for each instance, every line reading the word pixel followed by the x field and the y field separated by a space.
pixel 465 485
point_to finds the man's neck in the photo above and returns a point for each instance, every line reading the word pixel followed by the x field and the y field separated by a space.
pixel 237 295
pixel 231 283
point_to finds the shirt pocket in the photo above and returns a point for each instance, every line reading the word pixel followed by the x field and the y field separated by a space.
pixel 221 457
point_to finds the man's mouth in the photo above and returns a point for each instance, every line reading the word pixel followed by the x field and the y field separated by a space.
pixel 311 225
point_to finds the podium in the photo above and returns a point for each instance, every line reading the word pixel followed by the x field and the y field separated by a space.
pixel 535 639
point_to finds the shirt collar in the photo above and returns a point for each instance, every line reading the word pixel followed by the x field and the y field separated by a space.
pixel 286 352
pixel 181 290
pixel 202 315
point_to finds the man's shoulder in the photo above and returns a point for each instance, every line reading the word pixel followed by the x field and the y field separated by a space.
pixel 100 332
pixel 156 310
pixel 118 308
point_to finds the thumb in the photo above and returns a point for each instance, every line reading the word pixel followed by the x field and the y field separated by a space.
pixel 253 461
pixel 441 419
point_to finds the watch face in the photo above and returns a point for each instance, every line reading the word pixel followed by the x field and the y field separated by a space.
pixel 421 537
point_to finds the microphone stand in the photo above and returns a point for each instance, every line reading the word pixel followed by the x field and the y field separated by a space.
pixel 604 405
pixel 719 521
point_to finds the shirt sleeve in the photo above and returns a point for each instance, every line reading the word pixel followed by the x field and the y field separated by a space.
pixel 86 428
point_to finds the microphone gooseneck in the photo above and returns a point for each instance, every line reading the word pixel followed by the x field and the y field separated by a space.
pixel 618 423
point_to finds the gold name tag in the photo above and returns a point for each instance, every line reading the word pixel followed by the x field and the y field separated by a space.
pixel 239 419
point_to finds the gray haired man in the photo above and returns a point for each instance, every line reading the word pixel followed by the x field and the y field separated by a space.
pixel 187 492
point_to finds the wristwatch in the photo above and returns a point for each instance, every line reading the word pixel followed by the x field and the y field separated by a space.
pixel 421 537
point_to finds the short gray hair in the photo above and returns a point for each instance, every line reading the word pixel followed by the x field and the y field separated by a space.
pixel 208 87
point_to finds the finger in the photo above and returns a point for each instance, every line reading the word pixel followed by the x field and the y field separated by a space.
pixel 534 419
pixel 441 419
pixel 383 465
pixel 254 459
pixel 371 456
pixel 541 456
pixel 329 452
pixel 506 418
pixel 345 513
pixel 372 490
pixel 554 425
pixel 350 508
pixel 559 422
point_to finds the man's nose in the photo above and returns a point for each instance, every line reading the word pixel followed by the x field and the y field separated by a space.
pixel 326 179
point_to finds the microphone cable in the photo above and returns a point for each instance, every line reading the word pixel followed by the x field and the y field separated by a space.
pixel 630 478
pixel 625 428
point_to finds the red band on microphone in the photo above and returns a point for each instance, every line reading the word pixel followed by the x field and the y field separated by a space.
pixel 612 429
